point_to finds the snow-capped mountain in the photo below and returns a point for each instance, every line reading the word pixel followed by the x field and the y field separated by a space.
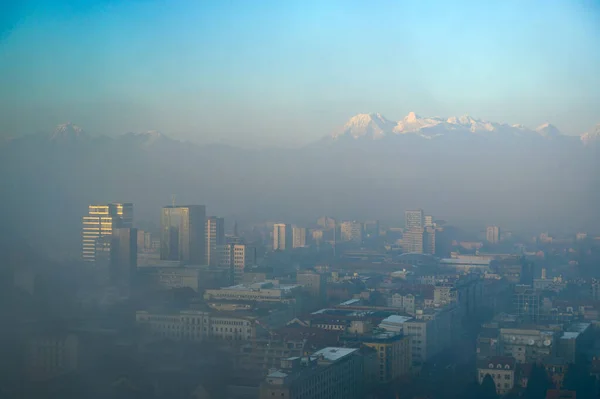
pixel 376 126
pixel 591 136
pixel 548 130
pixel 67 131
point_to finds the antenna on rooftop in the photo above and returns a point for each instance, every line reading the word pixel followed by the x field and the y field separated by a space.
pixel 173 200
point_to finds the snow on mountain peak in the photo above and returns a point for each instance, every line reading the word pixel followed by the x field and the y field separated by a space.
pixel 376 126
pixel 67 131
pixel 411 117
pixel 548 130
pixel 591 136
pixel 372 125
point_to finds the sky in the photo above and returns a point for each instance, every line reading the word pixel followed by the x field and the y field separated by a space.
pixel 290 72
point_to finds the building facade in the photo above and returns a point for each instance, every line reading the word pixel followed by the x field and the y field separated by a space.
pixel 282 237
pixel 492 234
pixel 336 373
pixel 215 237
pixel 236 258
pixel 351 231
pixel 414 219
pixel 502 371
pixel 98 225
pixel 298 237
pixel 183 234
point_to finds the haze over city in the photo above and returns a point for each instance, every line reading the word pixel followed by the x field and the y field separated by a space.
pixel 300 200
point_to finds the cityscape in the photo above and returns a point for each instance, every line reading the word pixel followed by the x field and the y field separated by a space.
pixel 325 199
pixel 347 308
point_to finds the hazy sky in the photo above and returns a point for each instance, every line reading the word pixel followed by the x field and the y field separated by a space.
pixel 291 71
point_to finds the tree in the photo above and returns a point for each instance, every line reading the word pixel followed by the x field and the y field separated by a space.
pixel 538 383
pixel 488 388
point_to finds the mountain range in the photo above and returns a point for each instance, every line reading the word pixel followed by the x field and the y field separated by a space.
pixel 462 169
pixel 375 126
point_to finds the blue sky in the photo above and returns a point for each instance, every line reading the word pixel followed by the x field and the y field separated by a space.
pixel 291 71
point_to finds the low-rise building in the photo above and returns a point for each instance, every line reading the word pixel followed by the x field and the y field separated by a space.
pixel 502 371
pixel 194 325
pixel 393 351
pixel 265 291
pixel 329 373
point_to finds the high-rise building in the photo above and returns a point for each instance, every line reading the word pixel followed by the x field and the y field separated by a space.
pixel 215 237
pixel 492 234
pixel 351 231
pixel 326 222
pixel 413 240
pixel 235 258
pixel 298 237
pixel 282 237
pixel 414 219
pixel 429 241
pixel 428 221
pixel 123 256
pixel 182 235
pixel 371 229
pixel 98 225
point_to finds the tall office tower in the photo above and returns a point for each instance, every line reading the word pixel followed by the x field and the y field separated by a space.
pixel 298 237
pixel 371 229
pixel 98 225
pixel 282 237
pixel 351 231
pixel 492 234
pixel 235 258
pixel 414 219
pixel 326 222
pixel 123 256
pixel 428 221
pixel 429 237
pixel 413 240
pixel 215 236
pixel 182 233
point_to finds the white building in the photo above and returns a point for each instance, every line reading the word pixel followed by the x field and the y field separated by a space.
pixel 414 219
pixel 492 234
pixel 298 237
pixel 265 291
pixel 502 371
pixel 195 325
pixel 282 237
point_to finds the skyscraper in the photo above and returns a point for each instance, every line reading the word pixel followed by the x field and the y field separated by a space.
pixel 298 237
pixel 182 235
pixel 282 237
pixel 235 258
pixel 351 231
pixel 413 240
pixel 123 256
pixel 98 226
pixel 215 236
pixel 492 234
pixel 414 219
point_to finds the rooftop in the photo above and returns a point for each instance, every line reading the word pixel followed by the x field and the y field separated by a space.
pixel 395 319
pixel 333 354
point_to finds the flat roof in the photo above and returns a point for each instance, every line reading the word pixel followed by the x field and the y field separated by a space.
pixel 570 335
pixel 396 319
pixel 333 354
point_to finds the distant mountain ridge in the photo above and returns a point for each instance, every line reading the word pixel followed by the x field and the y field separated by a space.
pixel 459 168
pixel 375 126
